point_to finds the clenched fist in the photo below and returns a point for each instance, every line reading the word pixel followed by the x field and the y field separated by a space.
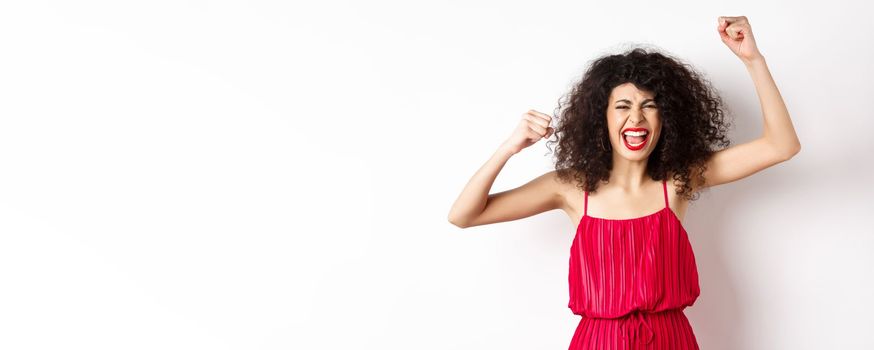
pixel 737 34
pixel 533 127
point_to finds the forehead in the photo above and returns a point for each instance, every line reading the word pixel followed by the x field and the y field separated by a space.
pixel 630 92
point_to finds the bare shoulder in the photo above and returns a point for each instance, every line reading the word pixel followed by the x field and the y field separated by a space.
pixel 677 203
pixel 570 193
pixel 554 182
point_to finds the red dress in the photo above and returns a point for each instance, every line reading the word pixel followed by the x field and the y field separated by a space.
pixel 630 280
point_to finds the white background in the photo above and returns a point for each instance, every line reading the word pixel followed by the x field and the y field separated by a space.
pixel 275 175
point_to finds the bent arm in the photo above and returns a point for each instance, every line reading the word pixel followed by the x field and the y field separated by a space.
pixel 777 144
pixel 778 129
pixel 475 206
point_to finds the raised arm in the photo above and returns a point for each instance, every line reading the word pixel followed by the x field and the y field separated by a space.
pixel 778 142
pixel 475 206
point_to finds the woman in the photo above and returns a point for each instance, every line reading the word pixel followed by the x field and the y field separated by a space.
pixel 636 139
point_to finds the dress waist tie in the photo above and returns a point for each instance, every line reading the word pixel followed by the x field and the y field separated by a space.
pixel 631 324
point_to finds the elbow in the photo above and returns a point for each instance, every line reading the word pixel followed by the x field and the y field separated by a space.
pixel 458 225
pixel 791 152
pixel 457 222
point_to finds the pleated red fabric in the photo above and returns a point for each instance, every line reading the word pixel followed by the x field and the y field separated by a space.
pixel 630 280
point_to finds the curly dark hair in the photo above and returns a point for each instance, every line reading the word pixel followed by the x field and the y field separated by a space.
pixel 691 110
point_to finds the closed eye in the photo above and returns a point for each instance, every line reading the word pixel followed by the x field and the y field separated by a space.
pixel 626 107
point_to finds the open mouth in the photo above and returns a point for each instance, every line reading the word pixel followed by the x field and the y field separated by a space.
pixel 635 138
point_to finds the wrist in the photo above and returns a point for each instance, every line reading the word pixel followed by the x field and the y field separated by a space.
pixel 505 150
pixel 756 60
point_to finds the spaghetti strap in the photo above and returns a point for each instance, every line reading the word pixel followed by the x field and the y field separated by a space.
pixel 665 186
pixel 586 204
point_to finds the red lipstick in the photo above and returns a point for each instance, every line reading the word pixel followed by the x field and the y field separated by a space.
pixel 635 147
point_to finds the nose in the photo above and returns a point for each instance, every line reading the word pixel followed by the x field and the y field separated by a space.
pixel 636 116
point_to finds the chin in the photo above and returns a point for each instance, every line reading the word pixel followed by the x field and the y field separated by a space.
pixel 635 157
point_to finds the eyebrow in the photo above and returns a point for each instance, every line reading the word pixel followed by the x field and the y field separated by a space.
pixel 644 101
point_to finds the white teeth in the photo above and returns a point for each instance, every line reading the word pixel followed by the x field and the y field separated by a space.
pixel 635 133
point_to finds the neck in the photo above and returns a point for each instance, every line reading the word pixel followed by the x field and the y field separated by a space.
pixel 630 175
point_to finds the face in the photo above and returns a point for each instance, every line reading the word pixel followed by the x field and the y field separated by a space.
pixel 634 111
